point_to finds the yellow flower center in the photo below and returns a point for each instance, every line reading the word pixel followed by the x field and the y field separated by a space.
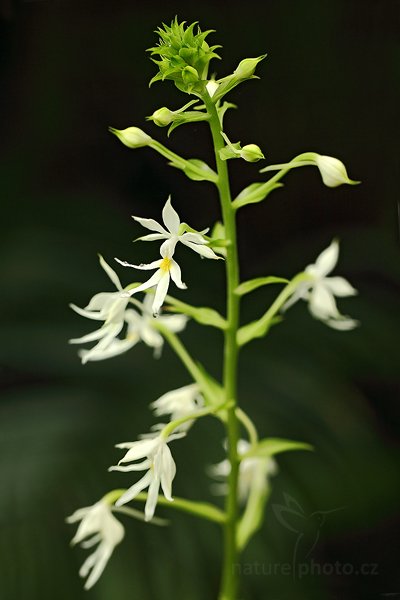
pixel 166 265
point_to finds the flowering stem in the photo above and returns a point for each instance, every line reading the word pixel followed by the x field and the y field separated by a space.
pixel 229 583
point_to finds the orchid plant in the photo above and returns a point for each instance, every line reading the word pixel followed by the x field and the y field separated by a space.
pixel 182 55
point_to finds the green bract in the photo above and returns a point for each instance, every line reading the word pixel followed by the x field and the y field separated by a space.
pixel 184 55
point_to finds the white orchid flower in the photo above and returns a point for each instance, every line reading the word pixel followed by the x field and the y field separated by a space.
pixel 99 525
pixel 179 403
pixel 172 233
pixel 145 324
pixel 108 307
pixel 254 471
pixel 140 328
pixel 159 466
pixel 167 269
pixel 320 291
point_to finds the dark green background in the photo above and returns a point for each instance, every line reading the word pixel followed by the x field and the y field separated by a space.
pixel 69 70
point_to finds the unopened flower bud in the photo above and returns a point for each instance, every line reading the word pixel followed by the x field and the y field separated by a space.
pixel 246 67
pixel 212 87
pixel 333 171
pixel 162 117
pixel 189 75
pixel 132 137
pixel 251 153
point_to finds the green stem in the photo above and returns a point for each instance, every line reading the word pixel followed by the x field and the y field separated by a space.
pixel 179 162
pixel 261 327
pixel 181 352
pixel 229 583
pixel 205 412
pixel 209 388
pixel 248 425
pixel 271 183
pixel 204 510
pixel 283 297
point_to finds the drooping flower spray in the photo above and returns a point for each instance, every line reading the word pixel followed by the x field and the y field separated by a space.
pixel 133 314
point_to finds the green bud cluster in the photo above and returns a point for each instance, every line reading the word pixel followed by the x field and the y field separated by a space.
pixel 184 56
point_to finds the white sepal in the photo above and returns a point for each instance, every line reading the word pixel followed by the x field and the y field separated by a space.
pixel 99 522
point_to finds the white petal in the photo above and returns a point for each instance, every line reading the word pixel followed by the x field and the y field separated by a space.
pixel 125 445
pixel 135 489
pixel 151 337
pixel 153 265
pixel 111 273
pixel 170 217
pixel 147 304
pixel 151 224
pixel 152 497
pixel 91 541
pixel 101 300
pixel 322 303
pixel 175 271
pixel 327 260
pixel 99 351
pixel 103 554
pixel 153 281
pixel 168 471
pixel 176 436
pixel 161 292
pixel 300 293
pixel 342 324
pixel 139 449
pixel 339 286
pixel 220 470
pixel 115 348
pixel 152 237
pixel 132 318
pixel 195 238
pixel 89 525
pixel 91 337
pixel 175 399
pixel 175 323
pixel 112 530
pixel 168 247
pixel 143 466
pixel 111 332
pixel 202 250
pixel 116 311
pixel 96 316
pixel 88 564
pixel 78 514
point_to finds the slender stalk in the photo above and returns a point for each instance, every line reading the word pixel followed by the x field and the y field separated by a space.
pixel 181 352
pixel 229 583
pixel 203 510
pixel 248 425
pixel 204 412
